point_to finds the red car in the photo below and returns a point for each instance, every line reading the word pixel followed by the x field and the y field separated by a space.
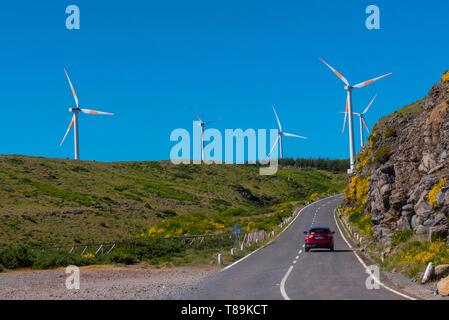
pixel 319 237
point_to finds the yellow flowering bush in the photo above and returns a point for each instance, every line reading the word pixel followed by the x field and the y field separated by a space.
pixel 436 252
pixel 445 77
pixel 314 196
pixel 357 190
pixel 187 224
pixel 432 195
pixel 363 158
pixel 88 255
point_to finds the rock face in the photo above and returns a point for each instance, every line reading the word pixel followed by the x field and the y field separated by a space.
pixel 408 167
pixel 441 271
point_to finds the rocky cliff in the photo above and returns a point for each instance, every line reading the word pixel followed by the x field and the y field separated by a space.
pixel 401 180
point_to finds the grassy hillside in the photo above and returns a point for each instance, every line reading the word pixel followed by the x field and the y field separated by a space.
pixel 54 201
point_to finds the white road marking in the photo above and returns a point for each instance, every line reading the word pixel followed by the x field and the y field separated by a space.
pixel 294 262
pixel 297 257
pixel 366 267
pixel 282 286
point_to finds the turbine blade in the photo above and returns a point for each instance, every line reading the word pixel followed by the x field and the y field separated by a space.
pixel 196 115
pixel 293 135
pixel 366 83
pixel 277 119
pixel 366 125
pixel 72 88
pixel 346 113
pixel 369 105
pixel 274 146
pixel 72 121
pixel 338 74
pixel 88 111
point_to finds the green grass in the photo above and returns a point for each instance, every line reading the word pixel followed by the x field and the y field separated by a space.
pixel 411 256
pixel 44 202
pixel 411 109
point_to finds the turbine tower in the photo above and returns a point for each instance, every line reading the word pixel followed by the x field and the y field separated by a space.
pixel 362 121
pixel 74 121
pixel 280 135
pixel 348 112
pixel 203 125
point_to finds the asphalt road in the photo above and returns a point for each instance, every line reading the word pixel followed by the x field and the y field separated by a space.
pixel 283 270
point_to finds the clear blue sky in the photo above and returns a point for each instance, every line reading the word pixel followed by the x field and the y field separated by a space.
pixel 150 62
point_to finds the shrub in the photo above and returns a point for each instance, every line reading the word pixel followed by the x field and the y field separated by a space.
pixel 358 218
pixel 234 212
pixel 432 196
pixel 401 236
pixel 389 132
pixel 192 224
pixel 14 257
pixel 364 157
pixel 357 190
pixel 445 78
pixel 382 154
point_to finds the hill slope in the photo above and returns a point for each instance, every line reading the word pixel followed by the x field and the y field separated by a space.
pixel 54 201
pixel 400 196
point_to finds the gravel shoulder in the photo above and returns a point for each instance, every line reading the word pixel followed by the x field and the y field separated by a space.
pixel 104 283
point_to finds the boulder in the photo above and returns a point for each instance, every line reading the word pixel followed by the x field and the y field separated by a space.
pixel 441 271
pixel 422 207
pixel 440 231
pixel 397 199
pixel 443 287
pixel 440 218
pixel 446 198
pixel 416 221
pixel 429 222
pixel 386 189
pixel 440 199
pixel 421 230
pixel 387 169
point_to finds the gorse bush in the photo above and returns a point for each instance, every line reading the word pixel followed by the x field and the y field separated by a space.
pixel 382 154
pixel 432 196
pixel 357 190
pixel 193 224
pixel 389 132
pixel 401 236
pixel 445 78
pixel 16 257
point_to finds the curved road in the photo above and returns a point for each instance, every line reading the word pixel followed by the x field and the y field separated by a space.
pixel 283 270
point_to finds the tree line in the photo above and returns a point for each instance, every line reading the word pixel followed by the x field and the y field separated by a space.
pixel 337 165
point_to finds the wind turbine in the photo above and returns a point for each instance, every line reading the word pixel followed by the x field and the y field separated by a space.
pixel 74 121
pixel 362 121
pixel 348 87
pixel 203 125
pixel 282 134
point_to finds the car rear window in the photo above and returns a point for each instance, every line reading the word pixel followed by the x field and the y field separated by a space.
pixel 319 230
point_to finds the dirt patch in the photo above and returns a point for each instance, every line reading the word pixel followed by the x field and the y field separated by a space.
pixel 102 282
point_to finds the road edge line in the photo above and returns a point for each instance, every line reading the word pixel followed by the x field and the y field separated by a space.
pixel 282 285
pixel 279 234
pixel 366 267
